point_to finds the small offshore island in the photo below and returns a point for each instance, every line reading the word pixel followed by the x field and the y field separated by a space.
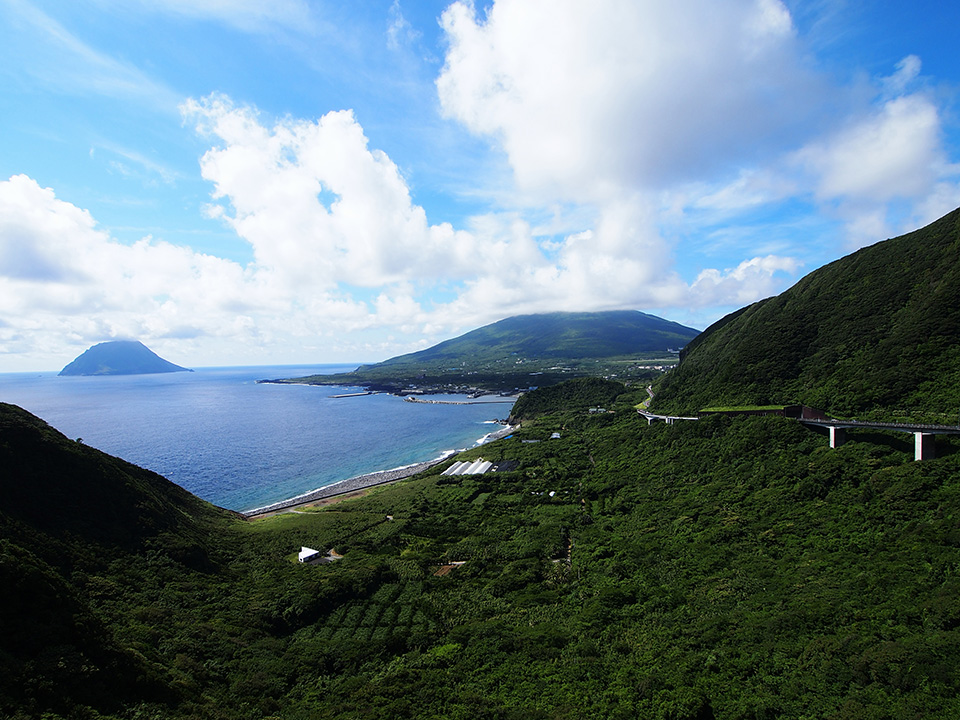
pixel 120 357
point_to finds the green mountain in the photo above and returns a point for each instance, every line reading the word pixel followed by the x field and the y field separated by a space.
pixel 553 346
pixel 568 336
pixel 120 357
pixel 876 333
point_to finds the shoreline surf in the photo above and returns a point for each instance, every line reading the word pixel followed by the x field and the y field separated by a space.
pixel 365 481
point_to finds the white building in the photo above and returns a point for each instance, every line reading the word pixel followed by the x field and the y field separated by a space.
pixel 307 554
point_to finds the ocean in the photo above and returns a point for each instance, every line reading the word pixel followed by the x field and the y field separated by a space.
pixel 242 445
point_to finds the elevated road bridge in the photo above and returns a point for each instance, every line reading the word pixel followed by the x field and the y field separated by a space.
pixel 923 447
pixel 668 419
pixel 924 434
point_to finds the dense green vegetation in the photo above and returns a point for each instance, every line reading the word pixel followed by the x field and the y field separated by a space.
pixel 75 525
pixel 573 395
pixel 727 568
pixel 872 335
pixel 533 350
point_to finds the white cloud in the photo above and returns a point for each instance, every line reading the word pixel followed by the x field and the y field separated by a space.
pixel 590 98
pixel 399 32
pixel 908 70
pixel 881 169
pixel 635 144
pixel 753 188
pixel 58 266
pixel 886 170
pixel 620 106
pixel 318 206
pixel 145 167
pixel 67 284
pixel 750 280
pixel 340 246
pixel 895 152
pixel 704 113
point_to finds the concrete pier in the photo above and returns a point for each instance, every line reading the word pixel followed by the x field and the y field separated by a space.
pixel 838 436
pixel 923 446
pixel 923 434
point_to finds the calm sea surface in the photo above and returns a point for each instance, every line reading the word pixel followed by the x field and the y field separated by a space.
pixel 241 445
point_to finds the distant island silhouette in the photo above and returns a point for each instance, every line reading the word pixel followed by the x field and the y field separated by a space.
pixel 120 357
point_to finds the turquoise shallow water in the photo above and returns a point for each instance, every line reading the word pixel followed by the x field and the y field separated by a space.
pixel 240 444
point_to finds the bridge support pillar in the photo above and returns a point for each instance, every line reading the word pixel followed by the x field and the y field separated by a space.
pixel 838 436
pixel 923 446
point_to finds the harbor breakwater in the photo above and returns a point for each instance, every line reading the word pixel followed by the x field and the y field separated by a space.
pixel 413 399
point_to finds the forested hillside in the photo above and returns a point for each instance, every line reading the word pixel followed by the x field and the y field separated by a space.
pixel 532 350
pixel 571 336
pixel 725 568
pixel 876 333
pixel 573 395
pixel 85 540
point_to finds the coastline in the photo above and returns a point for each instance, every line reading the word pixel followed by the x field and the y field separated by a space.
pixel 364 482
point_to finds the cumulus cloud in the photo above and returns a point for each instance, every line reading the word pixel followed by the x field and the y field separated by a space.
pixel 67 284
pixel 642 143
pixel 586 98
pixel 322 209
pixel 318 205
pixel 895 152
pixel 65 277
pixel 881 168
pixel 710 112
pixel 623 107
pixel 885 170
pixel 338 246
pixel 743 284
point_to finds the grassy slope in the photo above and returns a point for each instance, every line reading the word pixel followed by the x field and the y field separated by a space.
pixel 577 394
pixel 873 333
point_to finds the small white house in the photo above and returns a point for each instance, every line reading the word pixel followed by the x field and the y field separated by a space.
pixel 307 554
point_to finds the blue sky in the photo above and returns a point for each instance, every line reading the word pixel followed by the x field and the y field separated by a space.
pixel 239 182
